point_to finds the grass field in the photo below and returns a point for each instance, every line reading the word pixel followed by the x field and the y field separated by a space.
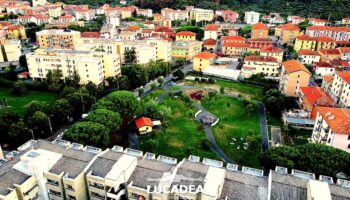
pixel 182 136
pixel 231 87
pixel 235 122
pixel 18 103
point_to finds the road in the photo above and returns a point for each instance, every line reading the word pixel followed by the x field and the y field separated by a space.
pixel 263 126
pixel 147 88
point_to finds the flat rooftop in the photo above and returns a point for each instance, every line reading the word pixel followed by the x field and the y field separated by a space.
pixel 9 179
pixel 239 185
pixel 191 173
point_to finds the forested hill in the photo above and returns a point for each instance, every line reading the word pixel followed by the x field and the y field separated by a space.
pixel 335 9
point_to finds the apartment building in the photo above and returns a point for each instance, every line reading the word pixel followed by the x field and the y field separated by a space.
pixel 304 42
pixel 345 53
pixel 144 52
pixel 39 3
pixel 287 33
pixel 199 15
pixel 293 76
pixel 10 50
pixel 324 42
pixel 185 35
pixel 328 55
pixel 266 65
pixel 229 16
pixel 332 127
pixel 237 39
pixel 260 30
pixel 94 66
pixel 63 170
pixel 336 33
pixel 308 56
pixel 202 60
pixel 163 48
pixel 273 52
pixel 324 68
pixel 85 14
pixel 173 15
pixel 55 11
pixel 58 39
pixel 340 89
pixel 211 31
pixel 345 21
pixel 185 49
pixel 235 48
pixel 259 43
pixel 15 32
pixel 251 17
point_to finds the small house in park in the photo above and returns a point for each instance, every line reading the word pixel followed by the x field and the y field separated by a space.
pixel 144 125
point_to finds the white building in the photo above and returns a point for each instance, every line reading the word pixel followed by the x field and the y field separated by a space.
pixel 113 19
pixel 340 89
pixel 251 17
pixel 332 127
pixel 323 68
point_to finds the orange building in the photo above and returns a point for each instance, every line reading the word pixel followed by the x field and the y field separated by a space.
pixel 287 33
pixel 260 30
pixel 293 76
pixel 328 55
pixel 237 39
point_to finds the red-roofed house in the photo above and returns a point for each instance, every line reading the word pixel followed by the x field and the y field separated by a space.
pixel 293 76
pixel 336 33
pixel 66 18
pixel 86 14
pixel 324 42
pixel 211 31
pixel 202 60
pixel 332 127
pixel 260 30
pixel 345 53
pixel 287 33
pixel 235 48
pixel 273 52
pixel 311 97
pixel 185 35
pixel 340 90
pixel 90 34
pixel 209 44
pixel 328 55
pixel 25 19
pixel 144 125
pixel 323 68
pixel 307 56
pixel 42 19
pixel 258 43
pixel 318 22
pixel 266 65
pixel 238 39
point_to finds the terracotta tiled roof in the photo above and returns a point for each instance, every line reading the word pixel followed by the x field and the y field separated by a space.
pixel 323 64
pixel 338 119
pixel 90 34
pixel 132 28
pixel 345 75
pixel 346 18
pixel 324 39
pixel 292 66
pixel 233 38
pixel 271 50
pixel 344 49
pixel 212 27
pixel 329 28
pixel 65 17
pixel 308 52
pixel 330 51
pixel 261 39
pixel 210 41
pixel 260 26
pixel 305 37
pixel 290 27
pixel 163 29
pixel 25 17
pixel 185 33
pixel 143 121
pixel 42 17
pixel 328 78
pixel 204 55
pixel 317 96
pixel 260 59
pixel 340 63
pixel 235 44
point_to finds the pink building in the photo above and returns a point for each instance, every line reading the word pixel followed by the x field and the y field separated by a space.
pixel 228 15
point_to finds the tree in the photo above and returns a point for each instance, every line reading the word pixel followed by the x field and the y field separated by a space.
pixel 137 73
pixel 39 123
pixel 18 133
pixel 88 133
pixel 33 107
pixel 61 110
pixel 274 101
pixel 122 102
pixel 161 81
pixel 153 86
pixel 141 91
pixel 109 119
pixel 154 110
pixel 74 80
pixel 123 82
pixel 179 75
pixel 7 118
pixel 222 90
pixel 130 56
pixel 81 101
pixel 53 78
pixel 18 88
pixel 317 158
pixel 10 73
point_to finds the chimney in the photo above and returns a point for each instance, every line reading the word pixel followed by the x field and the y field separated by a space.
pixel 1 154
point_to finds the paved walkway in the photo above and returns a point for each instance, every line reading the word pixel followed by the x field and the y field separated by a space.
pixel 263 126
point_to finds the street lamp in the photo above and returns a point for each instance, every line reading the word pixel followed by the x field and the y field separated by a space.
pixel 31 131
pixel 49 119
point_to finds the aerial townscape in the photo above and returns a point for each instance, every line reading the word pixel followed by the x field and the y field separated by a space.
pixel 174 100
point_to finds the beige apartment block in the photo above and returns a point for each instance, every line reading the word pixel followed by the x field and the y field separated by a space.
pixel 58 39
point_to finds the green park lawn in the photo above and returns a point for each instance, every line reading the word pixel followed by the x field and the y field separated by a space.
pixel 235 122
pixel 18 104
pixel 181 136
pixel 232 87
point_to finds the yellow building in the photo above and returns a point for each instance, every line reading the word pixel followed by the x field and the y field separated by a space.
pixel 163 48
pixel 185 35
pixel 287 33
pixel 157 17
pixel 185 49
pixel 16 32
pixel 346 21
pixel 260 30
pixel 266 65
pixel 305 42
pixel 12 50
pixel 94 66
pixel 202 60
pixel 324 42
pixel 293 76
pixel 144 125
pixel 58 39
pixel 235 48
pixel 199 15
pixel 55 11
